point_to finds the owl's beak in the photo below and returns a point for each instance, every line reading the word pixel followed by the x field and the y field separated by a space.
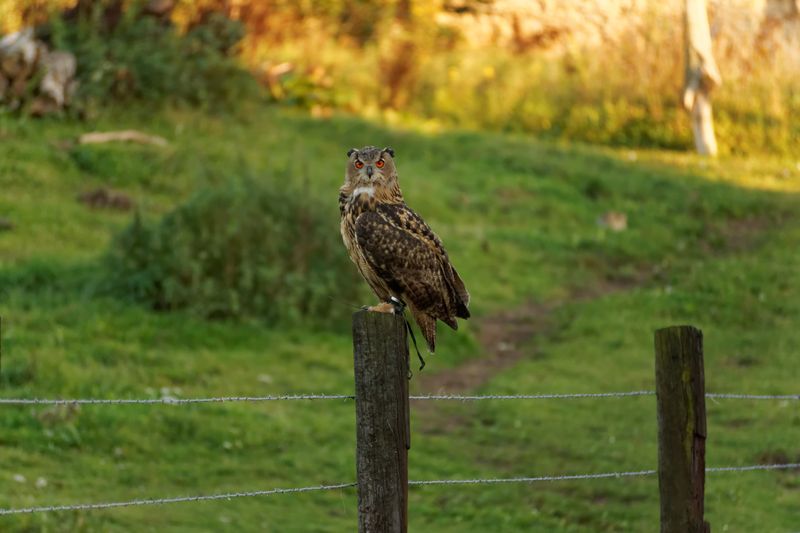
pixel 369 171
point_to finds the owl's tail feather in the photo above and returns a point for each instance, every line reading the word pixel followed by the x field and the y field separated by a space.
pixel 450 321
pixel 427 325
pixel 458 298
pixel 463 295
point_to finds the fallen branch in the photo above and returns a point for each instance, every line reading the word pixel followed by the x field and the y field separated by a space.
pixel 98 137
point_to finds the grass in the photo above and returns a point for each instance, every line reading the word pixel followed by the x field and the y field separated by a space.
pixel 708 243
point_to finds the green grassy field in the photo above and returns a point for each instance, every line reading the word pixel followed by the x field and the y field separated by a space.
pixel 711 243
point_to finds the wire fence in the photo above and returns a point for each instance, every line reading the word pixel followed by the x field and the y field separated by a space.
pixel 430 397
pixel 179 499
pixel 294 397
pixel 477 481
pixel 168 400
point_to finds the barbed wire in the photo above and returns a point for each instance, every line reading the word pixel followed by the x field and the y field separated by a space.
pixel 784 466
pixel 532 479
pixel 179 499
pixel 294 397
pixel 732 396
pixel 479 397
pixel 172 401
pixel 477 481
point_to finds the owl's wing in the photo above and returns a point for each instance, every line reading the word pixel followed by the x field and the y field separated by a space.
pixel 402 249
pixel 404 217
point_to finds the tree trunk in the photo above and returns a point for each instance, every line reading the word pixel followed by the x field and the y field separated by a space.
pixel 702 75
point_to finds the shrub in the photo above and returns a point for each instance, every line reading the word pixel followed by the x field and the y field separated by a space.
pixel 142 58
pixel 246 249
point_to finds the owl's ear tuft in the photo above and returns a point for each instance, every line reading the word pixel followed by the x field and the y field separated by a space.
pixel 389 150
pixel 351 151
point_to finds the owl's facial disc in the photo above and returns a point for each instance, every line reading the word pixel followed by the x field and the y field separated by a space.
pixel 370 166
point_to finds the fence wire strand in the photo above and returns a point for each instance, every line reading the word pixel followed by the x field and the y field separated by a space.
pixel 784 466
pixel 173 401
pixel 732 396
pixel 180 499
pixel 532 479
pixel 477 481
pixel 443 397
pixel 463 398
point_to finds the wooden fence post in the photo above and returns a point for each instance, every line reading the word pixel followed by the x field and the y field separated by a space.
pixel 380 356
pixel 680 392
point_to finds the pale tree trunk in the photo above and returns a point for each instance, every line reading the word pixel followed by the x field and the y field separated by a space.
pixel 702 75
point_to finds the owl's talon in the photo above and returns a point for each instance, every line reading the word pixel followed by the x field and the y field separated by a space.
pixel 398 304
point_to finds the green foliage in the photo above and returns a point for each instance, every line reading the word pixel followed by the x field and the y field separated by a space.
pixel 244 249
pixel 141 58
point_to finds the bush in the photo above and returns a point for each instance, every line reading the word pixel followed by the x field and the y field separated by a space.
pixel 246 249
pixel 142 58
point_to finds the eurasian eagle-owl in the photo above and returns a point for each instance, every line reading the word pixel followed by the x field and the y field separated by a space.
pixel 395 251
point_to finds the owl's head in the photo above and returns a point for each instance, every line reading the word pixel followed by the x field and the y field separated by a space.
pixel 370 166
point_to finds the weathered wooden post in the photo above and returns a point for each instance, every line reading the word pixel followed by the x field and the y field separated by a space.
pixel 380 356
pixel 680 392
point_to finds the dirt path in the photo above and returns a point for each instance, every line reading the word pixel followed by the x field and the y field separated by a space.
pixel 506 337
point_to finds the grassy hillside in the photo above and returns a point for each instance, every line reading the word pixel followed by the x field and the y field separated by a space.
pixel 707 243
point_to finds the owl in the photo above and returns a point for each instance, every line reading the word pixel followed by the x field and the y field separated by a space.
pixel 395 251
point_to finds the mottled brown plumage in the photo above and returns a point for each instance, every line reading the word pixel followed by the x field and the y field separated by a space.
pixel 395 251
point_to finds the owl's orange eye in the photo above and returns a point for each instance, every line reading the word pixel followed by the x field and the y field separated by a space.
pixel 359 164
pixel 379 163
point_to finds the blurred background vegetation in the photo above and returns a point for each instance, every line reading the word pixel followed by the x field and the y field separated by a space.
pixel 607 73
